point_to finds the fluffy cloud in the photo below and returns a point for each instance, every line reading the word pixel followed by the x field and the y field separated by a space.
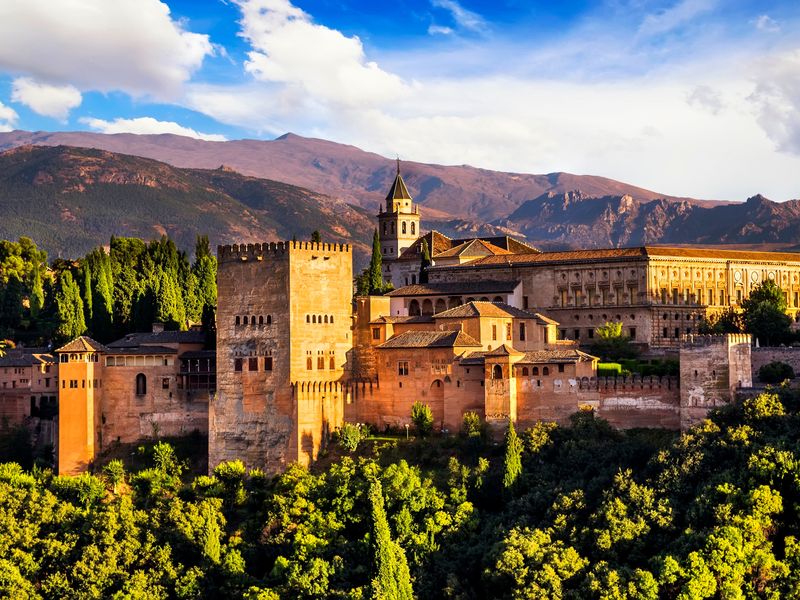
pixel 707 98
pixel 292 51
pixel 128 45
pixel 777 99
pixel 148 125
pixel 49 100
pixel 8 118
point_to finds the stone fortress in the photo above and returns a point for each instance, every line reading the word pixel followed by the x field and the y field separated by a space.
pixel 497 329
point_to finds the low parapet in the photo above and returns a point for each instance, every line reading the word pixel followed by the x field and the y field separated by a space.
pixel 635 382
pixel 728 339
pixel 244 252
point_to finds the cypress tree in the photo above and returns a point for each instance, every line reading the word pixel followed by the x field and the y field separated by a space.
pixel 11 305
pixel 69 309
pixel 102 298
pixel 376 284
pixel 512 464
pixel 86 291
pixel 392 580
pixel 425 262
pixel 205 270
pixel 315 236
pixel 37 293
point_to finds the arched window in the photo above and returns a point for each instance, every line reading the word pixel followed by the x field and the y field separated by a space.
pixel 319 318
pixel 427 307
pixel 545 371
pixel 313 318
pixel 497 299
pixel 269 319
pixel 333 363
pixel 238 320
pixel 413 228
pixel 309 363
pixel 244 320
pixel 414 309
pixel 535 371
pixel 260 319
pixel 331 318
pixel 253 320
pixel 308 318
pixel 413 280
pixel 497 372
pixel 524 371
pixel 404 227
pixel 441 306
pixel 141 384
pixel 326 318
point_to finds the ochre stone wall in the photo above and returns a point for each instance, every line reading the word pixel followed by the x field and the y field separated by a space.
pixel 78 413
pixel 306 291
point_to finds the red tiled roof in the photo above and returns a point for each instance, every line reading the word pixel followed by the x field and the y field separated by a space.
pixel 430 339
pixel 459 288
pixel 83 344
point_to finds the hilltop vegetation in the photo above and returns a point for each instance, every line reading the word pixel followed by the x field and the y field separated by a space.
pixel 585 512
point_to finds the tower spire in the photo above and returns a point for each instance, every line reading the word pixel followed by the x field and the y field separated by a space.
pixel 398 165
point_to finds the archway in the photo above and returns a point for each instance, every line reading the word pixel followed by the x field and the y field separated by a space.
pixel 414 309
pixel 441 306
pixel 427 307
pixel 436 400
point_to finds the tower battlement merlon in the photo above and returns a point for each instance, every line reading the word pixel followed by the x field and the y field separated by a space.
pixel 727 339
pixel 245 252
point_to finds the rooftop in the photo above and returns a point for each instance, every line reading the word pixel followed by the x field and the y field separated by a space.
pixel 472 288
pixel 83 344
pixel 430 339
pixel 160 337
pixel 25 357
pixel 478 308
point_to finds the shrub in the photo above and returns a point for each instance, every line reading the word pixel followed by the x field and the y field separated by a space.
pixel 471 426
pixel 351 435
pixel 609 369
pixel 763 406
pixel 775 372
pixel 422 417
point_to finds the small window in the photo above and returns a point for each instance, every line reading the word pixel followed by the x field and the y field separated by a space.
pixel 308 318
pixel 413 228
pixel 332 366
pixel 560 368
pixel 320 363
pixel 535 371
pixel 402 367
pixel 497 372
pixel 313 318
pixel 545 370
pixel 494 332
pixel 268 363
pixel 252 363
pixel 269 319
pixel 64 358
pixel 244 320
pixel 522 332
pixel 325 319
pixel 141 384
pixel 253 320
pixel 404 227
pixel 376 333
pixel 590 334
pixel 309 364
pixel 524 371
pixel 237 364
pixel 164 383
pixel 633 333
pixel 260 319
pixel 508 331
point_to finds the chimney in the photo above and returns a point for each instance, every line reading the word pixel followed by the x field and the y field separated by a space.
pixel 158 328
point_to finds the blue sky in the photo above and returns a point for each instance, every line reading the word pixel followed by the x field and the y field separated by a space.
pixel 687 97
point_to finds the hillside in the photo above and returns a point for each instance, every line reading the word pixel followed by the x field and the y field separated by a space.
pixel 348 173
pixel 71 199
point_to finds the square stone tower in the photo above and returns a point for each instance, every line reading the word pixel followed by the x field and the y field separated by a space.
pixel 712 368
pixel 284 335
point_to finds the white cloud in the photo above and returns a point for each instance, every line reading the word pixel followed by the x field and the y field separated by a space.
pixel 463 17
pixel 49 100
pixel 440 30
pixel 148 125
pixel 292 51
pixel 767 24
pixel 8 118
pixel 678 14
pixel 128 45
pixel 707 98
pixel 777 99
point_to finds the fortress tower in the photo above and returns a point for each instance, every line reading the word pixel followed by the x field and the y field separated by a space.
pixel 283 338
pixel 398 223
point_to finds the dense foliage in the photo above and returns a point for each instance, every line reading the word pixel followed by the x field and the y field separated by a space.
pixel 611 343
pixel 775 372
pixel 592 513
pixel 105 294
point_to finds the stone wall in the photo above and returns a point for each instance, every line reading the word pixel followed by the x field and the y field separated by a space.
pixel 766 355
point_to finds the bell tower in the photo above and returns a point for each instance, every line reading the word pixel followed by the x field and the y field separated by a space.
pixel 398 220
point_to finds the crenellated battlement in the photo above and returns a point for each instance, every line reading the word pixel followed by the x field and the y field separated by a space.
pixel 245 252
pixel 633 383
pixel 704 340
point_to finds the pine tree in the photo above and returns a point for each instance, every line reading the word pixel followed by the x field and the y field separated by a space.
pixel 512 464
pixel 392 580
pixel 69 309
pixel 425 262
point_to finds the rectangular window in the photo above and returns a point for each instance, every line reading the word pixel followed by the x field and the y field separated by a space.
pixel 563 297
pixel 677 332
pixel 525 302
pixel 562 334
pixel 634 291
pixel 674 295
pixel 268 363
pixel 320 363
pixel 722 297
pixel 402 367
pixel 561 367
pixel 590 333
pixel 165 383
pixel 633 333
pixel 663 295
pixel 63 383
pixel 508 331
pixel 522 332
pixel 577 333
pixel 237 364
pixel 494 332
pixel 796 299
pixel 376 333
pixel 738 296
pixel 664 333
pixel 252 363
pixel 710 297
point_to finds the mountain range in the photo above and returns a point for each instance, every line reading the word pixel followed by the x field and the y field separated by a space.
pixel 251 190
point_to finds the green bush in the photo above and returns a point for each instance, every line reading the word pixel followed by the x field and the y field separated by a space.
pixel 471 425
pixel 775 372
pixel 422 417
pixel 351 435
pixel 609 370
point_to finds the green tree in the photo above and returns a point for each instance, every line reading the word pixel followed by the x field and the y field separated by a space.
pixel 611 342
pixel 37 293
pixel 728 321
pixel 391 579
pixel 764 313
pixel 512 463
pixel 315 236
pixel 422 417
pixel 69 309
pixel 205 271
pixel 424 262
pixel 86 291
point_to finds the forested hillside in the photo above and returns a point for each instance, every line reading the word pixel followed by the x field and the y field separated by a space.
pixel 557 512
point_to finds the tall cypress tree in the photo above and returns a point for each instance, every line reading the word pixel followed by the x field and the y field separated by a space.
pixel 86 291
pixel 512 464
pixel 205 270
pixel 102 298
pixel 425 261
pixel 391 580
pixel 69 309
pixel 37 293
pixel 376 284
